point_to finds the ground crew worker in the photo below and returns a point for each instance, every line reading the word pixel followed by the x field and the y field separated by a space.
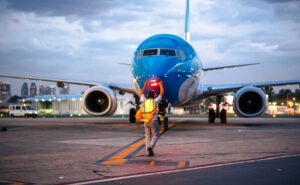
pixel 150 114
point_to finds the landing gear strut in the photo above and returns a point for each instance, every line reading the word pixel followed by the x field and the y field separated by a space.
pixel 212 114
pixel 162 118
pixel 164 122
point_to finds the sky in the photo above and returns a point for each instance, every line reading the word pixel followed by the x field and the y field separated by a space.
pixel 85 40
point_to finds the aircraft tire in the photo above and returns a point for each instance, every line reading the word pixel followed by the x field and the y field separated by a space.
pixel 223 116
pixel 4 129
pixel 166 123
pixel 211 115
pixel 132 113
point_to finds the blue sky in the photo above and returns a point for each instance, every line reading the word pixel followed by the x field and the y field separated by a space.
pixel 84 40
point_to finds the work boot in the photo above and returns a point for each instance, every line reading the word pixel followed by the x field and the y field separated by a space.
pixel 150 152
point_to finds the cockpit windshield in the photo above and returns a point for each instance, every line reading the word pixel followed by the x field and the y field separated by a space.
pixel 161 52
pixel 167 52
pixel 150 52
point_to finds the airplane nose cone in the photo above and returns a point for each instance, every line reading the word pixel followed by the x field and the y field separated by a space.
pixel 156 66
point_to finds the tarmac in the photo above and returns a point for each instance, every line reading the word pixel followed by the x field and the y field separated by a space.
pixel 111 151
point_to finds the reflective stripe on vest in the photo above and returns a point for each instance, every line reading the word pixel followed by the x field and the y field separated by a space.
pixel 148 106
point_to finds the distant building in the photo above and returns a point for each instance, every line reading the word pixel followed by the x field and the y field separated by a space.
pixel 56 105
pixel 52 90
pixel 70 104
pixel 65 90
pixel 47 90
pixel 33 89
pixel 4 91
pixel 42 90
pixel 24 90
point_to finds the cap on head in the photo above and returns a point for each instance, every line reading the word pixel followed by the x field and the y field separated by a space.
pixel 151 94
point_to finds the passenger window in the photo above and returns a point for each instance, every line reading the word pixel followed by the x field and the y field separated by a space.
pixel 167 52
pixel 18 108
pixel 150 52
pixel 23 108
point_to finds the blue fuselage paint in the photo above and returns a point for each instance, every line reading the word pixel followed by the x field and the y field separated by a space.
pixel 180 74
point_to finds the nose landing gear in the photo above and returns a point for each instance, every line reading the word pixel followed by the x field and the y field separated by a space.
pixel 162 118
pixel 132 111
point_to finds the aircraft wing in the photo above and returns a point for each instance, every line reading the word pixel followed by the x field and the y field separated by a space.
pixel 214 89
pixel 231 66
pixel 61 82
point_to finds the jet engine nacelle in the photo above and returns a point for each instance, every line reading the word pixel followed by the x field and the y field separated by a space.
pixel 249 102
pixel 99 101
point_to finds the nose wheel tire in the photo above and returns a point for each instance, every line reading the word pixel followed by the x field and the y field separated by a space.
pixel 211 115
pixel 132 113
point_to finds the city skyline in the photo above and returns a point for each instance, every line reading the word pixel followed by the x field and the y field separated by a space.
pixel 31 89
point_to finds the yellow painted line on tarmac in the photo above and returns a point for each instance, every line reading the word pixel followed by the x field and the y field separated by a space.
pixel 11 182
pixel 181 164
pixel 171 125
pixel 120 157
pixel 152 163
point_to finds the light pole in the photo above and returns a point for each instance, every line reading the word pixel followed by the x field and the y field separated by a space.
pixel 294 104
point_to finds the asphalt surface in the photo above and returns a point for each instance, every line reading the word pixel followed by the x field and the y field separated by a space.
pixel 264 172
pixel 66 150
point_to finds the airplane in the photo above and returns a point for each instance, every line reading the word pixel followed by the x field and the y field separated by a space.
pixel 172 60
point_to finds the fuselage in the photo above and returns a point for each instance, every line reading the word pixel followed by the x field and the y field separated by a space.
pixel 172 60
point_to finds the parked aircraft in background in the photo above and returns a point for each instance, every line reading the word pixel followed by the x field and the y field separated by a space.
pixel 172 60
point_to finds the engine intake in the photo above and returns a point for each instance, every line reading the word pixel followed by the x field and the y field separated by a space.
pixel 99 101
pixel 249 102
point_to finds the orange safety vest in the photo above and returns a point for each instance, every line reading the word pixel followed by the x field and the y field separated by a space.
pixel 147 111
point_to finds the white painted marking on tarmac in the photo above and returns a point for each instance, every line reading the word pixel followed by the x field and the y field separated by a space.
pixel 185 169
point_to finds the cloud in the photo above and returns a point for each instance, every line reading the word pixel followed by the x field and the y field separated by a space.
pixel 280 1
pixel 79 39
pixel 62 8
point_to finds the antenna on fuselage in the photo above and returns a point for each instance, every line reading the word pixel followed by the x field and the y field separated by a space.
pixel 187 35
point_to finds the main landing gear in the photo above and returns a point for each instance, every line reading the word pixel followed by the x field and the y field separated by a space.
pixel 212 114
